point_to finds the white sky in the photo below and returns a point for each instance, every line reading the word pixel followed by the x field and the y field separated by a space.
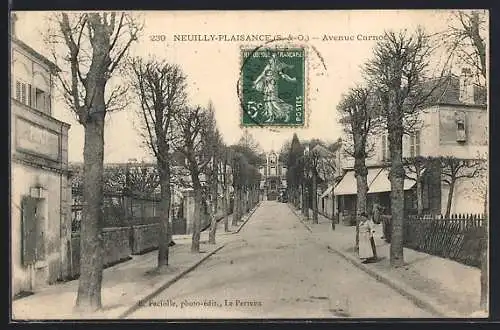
pixel 212 68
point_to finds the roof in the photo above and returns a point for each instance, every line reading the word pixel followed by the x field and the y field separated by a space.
pixel 377 180
pixel 323 151
pixel 53 67
pixel 447 91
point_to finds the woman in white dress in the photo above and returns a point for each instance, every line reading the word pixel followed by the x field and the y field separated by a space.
pixel 366 231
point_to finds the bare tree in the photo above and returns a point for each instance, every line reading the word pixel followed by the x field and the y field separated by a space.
pixel 453 170
pixel 294 170
pixel 417 165
pixel 226 182
pixel 359 118
pixel 192 126
pixel 249 141
pixel 161 91
pixel 465 41
pixel 214 143
pixel 91 47
pixel 398 72
pixel 238 166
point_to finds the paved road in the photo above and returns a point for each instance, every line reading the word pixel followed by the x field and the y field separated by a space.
pixel 274 269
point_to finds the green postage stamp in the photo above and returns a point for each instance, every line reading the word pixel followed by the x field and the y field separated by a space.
pixel 273 86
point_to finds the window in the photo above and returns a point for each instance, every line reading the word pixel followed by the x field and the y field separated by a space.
pixel 415 144
pixel 385 147
pixel 40 99
pixel 23 93
pixel 460 121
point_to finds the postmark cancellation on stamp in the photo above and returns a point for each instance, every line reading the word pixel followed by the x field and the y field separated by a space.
pixel 273 86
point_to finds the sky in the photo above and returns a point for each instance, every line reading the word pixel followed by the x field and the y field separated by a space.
pixel 213 67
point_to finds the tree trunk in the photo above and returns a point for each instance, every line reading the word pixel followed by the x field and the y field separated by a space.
pixel 213 210
pixel 297 197
pixel 397 175
pixel 244 201
pixel 314 199
pixel 164 233
pixel 213 226
pixel 484 267
pixel 198 211
pixel 91 245
pixel 450 199
pixel 304 200
pixel 420 203
pixel 484 279
pixel 236 206
pixel 361 173
pixel 226 210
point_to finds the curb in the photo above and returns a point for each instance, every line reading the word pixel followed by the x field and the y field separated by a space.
pixel 252 211
pixel 165 285
pixel 415 296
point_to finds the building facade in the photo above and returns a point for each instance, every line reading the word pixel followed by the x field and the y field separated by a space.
pixel 40 187
pixel 454 124
pixel 273 176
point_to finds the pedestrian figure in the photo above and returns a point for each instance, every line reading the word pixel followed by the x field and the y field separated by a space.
pixel 367 251
pixel 376 213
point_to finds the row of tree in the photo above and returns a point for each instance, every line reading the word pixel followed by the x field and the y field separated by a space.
pixel 309 163
pixel 91 48
pixel 399 83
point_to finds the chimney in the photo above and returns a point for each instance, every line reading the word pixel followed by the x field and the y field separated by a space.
pixel 13 21
pixel 466 92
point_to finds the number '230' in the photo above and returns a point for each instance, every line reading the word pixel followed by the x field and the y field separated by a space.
pixel 157 37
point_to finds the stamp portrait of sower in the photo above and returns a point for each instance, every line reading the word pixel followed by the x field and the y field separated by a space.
pixel 273 87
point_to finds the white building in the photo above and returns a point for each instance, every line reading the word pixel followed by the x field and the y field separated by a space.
pixel 454 124
pixel 40 189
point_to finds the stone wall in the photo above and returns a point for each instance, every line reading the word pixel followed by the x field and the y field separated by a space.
pixel 116 244
pixel 144 238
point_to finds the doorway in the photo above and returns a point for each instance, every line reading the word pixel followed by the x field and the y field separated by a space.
pixel 33 230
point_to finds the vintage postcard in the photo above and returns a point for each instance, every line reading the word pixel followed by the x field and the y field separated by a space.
pixel 249 164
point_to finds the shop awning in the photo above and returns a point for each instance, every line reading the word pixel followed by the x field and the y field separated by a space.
pixel 348 186
pixel 327 192
pixel 383 184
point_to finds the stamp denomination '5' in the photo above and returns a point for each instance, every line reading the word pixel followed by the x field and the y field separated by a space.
pixel 273 86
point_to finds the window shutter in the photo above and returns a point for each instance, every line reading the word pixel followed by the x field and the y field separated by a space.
pixel 18 91
pixel 47 104
pixel 23 93
pixel 29 235
pixel 30 95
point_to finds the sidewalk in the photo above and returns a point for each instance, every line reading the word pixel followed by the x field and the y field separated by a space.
pixel 126 284
pixel 444 287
